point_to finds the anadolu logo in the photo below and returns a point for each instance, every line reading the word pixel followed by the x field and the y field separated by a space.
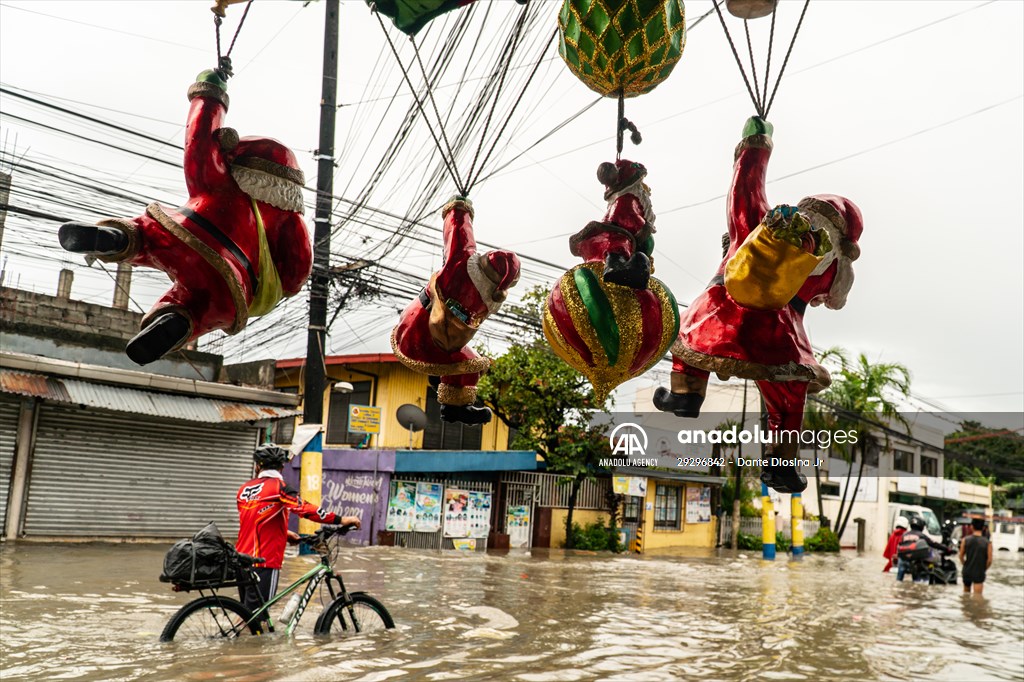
pixel 632 440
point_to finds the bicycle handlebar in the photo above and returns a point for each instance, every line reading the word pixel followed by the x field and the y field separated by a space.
pixel 327 531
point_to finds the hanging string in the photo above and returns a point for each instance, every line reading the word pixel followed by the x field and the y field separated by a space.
pixel 224 61
pixel 506 59
pixel 753 70
pixel 463 189
pixel 619 130
pixel 739 62
pixel 786 60
pixel 623 124
pixel 419 105
pixel 512 110
pixel 771 41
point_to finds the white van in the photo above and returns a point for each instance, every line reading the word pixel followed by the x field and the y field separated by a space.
pixel 931 522
pixel 1007 536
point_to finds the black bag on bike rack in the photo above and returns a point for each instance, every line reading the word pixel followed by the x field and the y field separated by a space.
pixel 205 560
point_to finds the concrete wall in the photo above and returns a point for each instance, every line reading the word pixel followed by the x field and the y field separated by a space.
pixel 583 517
pixel 65 329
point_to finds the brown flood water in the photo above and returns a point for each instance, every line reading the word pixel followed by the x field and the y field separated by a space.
pixel 95 611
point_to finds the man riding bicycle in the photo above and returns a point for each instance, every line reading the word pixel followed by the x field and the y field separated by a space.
pixel 263 506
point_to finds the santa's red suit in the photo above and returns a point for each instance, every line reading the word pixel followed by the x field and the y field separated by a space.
pixel 236 246
pixel 624 240
pixel 719 335
pixel 433 331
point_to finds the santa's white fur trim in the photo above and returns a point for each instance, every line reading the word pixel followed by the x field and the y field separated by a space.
pixel 483 283
pixel 843 282
pixel 270 189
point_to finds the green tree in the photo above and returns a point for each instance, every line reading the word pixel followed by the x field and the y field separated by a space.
pixel 860 396
pixel 980 448
pixel 548 404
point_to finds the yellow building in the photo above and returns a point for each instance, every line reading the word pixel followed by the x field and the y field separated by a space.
pixel 379 380
pixel 665 509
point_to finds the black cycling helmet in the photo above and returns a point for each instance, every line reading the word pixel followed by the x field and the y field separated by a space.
pixel 916 523
pixel 270 456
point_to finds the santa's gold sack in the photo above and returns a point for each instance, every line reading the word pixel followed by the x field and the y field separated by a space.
pixel 766 273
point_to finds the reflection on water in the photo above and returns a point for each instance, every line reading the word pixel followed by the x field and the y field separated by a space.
pixel 95 612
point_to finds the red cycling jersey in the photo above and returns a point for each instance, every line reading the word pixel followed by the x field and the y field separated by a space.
pixel 263 506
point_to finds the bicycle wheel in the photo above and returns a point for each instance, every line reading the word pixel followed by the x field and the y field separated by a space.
pixel 361 613
pixel 208 618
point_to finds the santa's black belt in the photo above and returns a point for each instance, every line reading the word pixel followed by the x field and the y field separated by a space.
pixel 425 299
pixel 224 241
pixel 798 304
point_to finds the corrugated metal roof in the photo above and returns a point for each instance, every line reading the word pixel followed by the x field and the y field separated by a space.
pixel 135 401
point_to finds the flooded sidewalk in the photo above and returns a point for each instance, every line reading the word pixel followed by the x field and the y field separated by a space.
pixel 95 612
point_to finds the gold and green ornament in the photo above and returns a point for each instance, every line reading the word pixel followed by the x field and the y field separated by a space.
pixel 607 332
pixel 621 46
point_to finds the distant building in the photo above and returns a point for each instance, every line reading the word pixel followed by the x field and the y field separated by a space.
pixel 904 470
pixel 92 446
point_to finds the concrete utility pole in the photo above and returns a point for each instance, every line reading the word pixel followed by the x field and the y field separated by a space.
pixel 313 406
pixel 311 472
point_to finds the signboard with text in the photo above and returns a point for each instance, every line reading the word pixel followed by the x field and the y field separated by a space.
pixel 363 419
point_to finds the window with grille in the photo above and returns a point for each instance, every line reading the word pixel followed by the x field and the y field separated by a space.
pixel 929 466
pixel 631 508
pixel 439 435
pixel 337 414
pixel 666 506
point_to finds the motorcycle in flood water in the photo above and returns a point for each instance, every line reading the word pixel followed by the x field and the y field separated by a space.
pixel 927 564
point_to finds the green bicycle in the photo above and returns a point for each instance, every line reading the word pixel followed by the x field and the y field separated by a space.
pixel 214 615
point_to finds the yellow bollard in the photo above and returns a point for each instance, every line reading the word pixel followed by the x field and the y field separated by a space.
pixel 311 475
pixel 797 510
pixel 767 525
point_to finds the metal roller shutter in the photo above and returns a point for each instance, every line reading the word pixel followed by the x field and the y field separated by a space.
pixel 8 434
pixel 109 474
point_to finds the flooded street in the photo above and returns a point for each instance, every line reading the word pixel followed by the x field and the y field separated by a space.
pixel 95 612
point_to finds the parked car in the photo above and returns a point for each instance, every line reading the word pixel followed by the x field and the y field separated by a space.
pixel 1007 536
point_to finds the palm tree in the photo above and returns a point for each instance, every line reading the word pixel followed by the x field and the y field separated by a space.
pixel 861 394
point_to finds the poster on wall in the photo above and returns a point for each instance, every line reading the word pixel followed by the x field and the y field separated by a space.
pixel 518 524
pixel 479 514
pixel 465 544
pixel 630 485
pixel 698 504
pixel 456 513
pixel 401 506
pixel 428 508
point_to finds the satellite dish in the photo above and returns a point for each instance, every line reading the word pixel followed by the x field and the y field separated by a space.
pixel 412 418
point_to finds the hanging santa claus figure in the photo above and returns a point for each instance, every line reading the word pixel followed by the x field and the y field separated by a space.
pixel 748 323
pixel 624 240
pixel 433 332
pixel 232 251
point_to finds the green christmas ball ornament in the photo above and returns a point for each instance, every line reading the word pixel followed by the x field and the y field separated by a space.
pixel 622 45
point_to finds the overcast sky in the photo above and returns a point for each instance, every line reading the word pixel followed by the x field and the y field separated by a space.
pixel 911 109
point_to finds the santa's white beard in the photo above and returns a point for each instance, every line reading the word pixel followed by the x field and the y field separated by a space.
pixel 843 282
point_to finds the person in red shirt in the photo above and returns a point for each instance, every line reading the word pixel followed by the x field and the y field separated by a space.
pixel 893 545
pixel 263 507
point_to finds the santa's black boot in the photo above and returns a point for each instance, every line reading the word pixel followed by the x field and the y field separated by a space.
pixel 92 239
pixel 783 479
pixel 679 404
pixel 165 333
pixel 634 273
pixel 465 414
